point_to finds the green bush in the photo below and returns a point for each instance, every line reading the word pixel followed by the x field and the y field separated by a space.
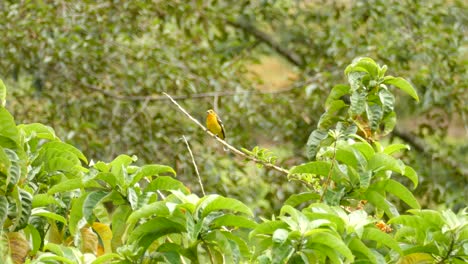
pixel 58 207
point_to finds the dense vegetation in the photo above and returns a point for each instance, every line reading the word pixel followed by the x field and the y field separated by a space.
pixel 85 83
pixel 56 207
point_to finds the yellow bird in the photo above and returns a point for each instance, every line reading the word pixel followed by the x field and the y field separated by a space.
pixel 214 124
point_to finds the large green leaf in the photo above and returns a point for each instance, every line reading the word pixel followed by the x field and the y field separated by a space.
pixel 66 185
pixel 64 147
pixel 314 141
pixel 296 199
pixel 3 210
pixel 153 229
pixel 223 203
pixel 37 130
pixel 233 221
pixel 393 148
pixel 336 93
pixel 48 214
pixel 14 172
pixel 379 201
pixel 358 103
pixel 151 170
pixel 383 162
pixel 363 64
pixel 356 245
pixel 43 200
pixel 387 99
pixel 401 192
pixel 321 168
pixel 90 203
pixel 166 183
pixel 5 164
pixel 23 201
pixel 374 115
pixel 372 233
pixel 411 174
pixel 8 127
pixel 157 208
pixel 403 84
pixel 324 237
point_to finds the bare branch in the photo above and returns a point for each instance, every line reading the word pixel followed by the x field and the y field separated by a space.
pixel 227 145
pixel 199 95
pixel 194 165
pixel 264 37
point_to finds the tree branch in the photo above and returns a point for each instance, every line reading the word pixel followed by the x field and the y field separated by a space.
pixel 230 147
pixel 422 147
pixel 196 96
pixel 290 55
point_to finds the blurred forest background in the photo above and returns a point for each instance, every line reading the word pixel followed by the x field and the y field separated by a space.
pixel 95 72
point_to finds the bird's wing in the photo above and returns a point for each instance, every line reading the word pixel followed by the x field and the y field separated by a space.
pixel 221 125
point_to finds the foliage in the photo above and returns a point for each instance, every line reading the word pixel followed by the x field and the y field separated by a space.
pixel 92 69
pixel 56 207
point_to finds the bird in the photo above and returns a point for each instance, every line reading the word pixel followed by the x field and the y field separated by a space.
pixel 214 124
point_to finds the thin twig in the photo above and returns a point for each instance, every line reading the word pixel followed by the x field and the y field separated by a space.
pixel 194 165
pixel 196 96
pixel 233 149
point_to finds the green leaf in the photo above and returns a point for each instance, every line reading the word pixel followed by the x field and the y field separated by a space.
pixel 379 201
pixel 374 115
pixel 76 213
pixel 314 141
pixel 372 233
pixel 119 166
pixel 47 214
pixel 383 162
pixel 323 237
pixel 296 199
pixel 5 165
pixel 106 258
pixel 387 99
pixel 280 236
pixel 336 93
pixel 119 225
pixel 2 94
pixel 233 221
pixel 389 150
pixel 34 238
pixel 222 203
pixel 43 199
pixel 66 186
pixel 411 174
pixel 64 147
pixel 38 130
pixel 8 128
pixel 267 228
pixel 157 208
pixel 3 210
pixel 364 64
pixel 154 229
pixel 356 245
pixel 365 148
pixel 90 203
pixel 14 172
pixel 388 123
pixel 151 170
pixel 403 84
pixel 166 183
pixel 401 192
pixel 314 167
pixel 358 103
pixel 332 115
pixel 24 204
